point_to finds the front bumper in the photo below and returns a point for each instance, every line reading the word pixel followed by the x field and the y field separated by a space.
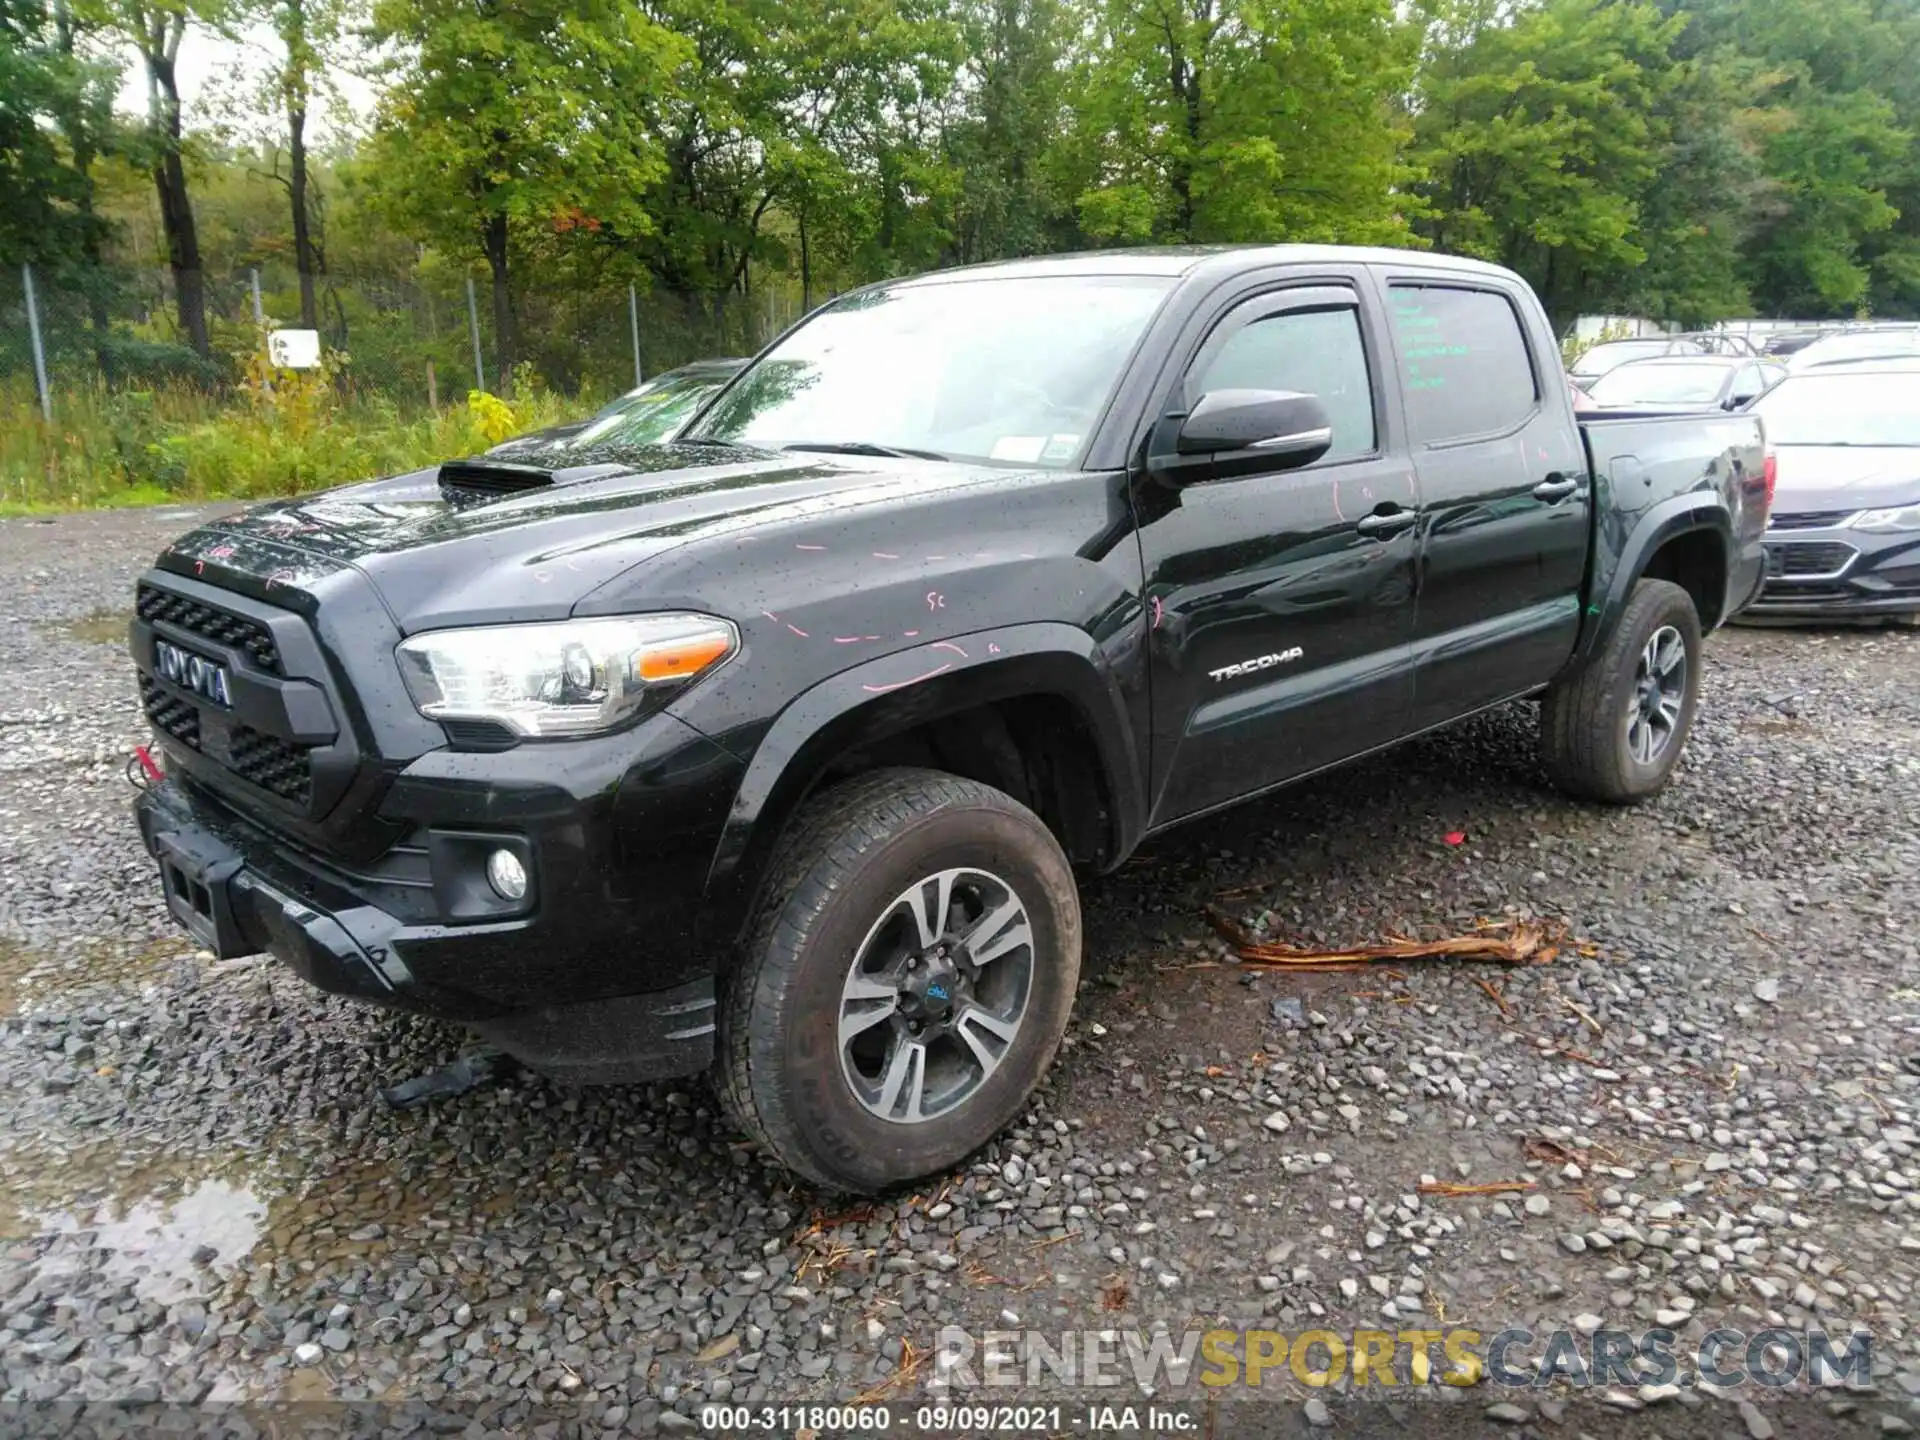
pixel 603 975
pixel 1835 572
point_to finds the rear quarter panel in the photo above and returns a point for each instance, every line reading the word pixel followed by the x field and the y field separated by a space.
pixel 1656 477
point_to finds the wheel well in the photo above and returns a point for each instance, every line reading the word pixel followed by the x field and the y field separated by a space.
pixel 1696 561
pixel 1036 748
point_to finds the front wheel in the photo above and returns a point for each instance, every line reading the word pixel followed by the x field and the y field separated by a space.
pixel 906 979
pixel 1614 731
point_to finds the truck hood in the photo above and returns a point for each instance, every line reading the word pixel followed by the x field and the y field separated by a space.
pixel 439 557
pixel 1839 477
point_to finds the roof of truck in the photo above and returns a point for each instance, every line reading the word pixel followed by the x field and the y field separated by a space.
pixel 1181 260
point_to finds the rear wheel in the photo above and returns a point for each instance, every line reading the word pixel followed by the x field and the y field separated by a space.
pixel 1615 730
pixel 906 980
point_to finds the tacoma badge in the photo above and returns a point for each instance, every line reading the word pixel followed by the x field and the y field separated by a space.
pixel 1259 662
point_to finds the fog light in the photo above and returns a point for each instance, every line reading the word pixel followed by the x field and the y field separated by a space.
pixel 507 875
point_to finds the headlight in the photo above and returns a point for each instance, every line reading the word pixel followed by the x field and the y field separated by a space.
pixel 577 677
pixel 1900 517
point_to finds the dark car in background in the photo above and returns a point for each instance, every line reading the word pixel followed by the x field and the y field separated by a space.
pixel 1685 382
pixel 1844 542
pixel 648 414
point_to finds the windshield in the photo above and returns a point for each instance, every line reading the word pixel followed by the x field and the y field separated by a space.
pixel 1843 410
pixel 1660 385
pixel 1014 370
pixel 650 414
pixel 1602 358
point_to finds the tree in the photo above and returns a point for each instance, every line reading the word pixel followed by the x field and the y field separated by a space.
pixel 1013 88
pixel 510 115
pixel 819 114
pixel 1541 133
pixel 1243 120
pixel 155 29
pixel 1832 101
pixel 55 117
pixel 308 30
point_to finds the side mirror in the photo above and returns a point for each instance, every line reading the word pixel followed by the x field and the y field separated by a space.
pixel 1278 430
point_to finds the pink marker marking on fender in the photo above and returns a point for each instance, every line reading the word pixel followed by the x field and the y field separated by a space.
pixel 935 600
pixel 809 547
pixel 220 552
pixel 1339 514
pixel 1159 612
pixel 796 629
pixel 948 645
pixel 902 684
pixel 199 567
pixel 910 634
pixel 773 617
pixel 992 649
pixel 883 555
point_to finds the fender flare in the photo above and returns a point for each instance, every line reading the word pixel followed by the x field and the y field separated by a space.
pixel 1697 510
pixel 1042 658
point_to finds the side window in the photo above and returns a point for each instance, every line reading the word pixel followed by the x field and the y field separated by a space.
pixel 1464 361
pixel 1747 382
pixel 1315 352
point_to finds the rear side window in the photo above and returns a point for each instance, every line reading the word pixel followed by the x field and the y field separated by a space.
pixel 1464 361
pixel 1315 352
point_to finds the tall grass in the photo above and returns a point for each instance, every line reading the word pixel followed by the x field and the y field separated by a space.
pixel 272 435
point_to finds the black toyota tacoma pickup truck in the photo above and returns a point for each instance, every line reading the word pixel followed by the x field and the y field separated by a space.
pixel 777 751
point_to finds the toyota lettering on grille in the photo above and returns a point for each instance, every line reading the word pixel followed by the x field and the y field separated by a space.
pixel 205 678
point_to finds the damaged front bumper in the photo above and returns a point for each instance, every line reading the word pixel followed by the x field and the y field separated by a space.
pixel 239 890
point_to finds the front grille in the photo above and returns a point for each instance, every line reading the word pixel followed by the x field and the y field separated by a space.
pixel 220 626
pixel 1791 560
pixel 169 715
pixel 271 763
pixel 1809 520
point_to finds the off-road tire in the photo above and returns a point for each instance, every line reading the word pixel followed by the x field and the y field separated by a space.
pixel 1583 718
pixel 841 860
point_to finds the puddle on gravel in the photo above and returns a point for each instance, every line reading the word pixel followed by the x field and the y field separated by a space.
pixel 173 1226
pixel 165 1247
pixel 102 627
pixel 31 972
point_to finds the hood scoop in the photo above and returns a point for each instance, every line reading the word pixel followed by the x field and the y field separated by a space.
pixel 492 477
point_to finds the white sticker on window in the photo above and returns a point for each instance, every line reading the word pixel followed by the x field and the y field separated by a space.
pixel 1024 448
pixel 1060 447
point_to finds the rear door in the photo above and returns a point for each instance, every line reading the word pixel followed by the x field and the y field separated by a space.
pixel 1505 497
pixel 1281 603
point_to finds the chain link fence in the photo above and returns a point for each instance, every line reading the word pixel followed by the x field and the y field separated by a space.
pixel 417 342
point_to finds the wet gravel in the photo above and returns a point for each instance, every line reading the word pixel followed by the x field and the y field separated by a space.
pixel 1712 1090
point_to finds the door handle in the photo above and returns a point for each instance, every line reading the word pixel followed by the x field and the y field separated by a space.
pixel 1385 523
pixel 1554 489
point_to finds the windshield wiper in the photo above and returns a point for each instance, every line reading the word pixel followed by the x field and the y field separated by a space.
pixel 863 447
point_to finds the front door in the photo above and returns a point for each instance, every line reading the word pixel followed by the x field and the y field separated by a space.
pixel 1281 604
pixel 1504 492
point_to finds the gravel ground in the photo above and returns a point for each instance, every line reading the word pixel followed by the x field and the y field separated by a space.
pixel 1712 1090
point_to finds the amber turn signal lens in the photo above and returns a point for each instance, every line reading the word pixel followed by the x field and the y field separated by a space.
pixel 679 659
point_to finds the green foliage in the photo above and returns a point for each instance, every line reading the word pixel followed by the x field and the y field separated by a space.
pixel 1541 132
pixel 176 442
pixel 48 90
pixel 734 160
pixel 1241 120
